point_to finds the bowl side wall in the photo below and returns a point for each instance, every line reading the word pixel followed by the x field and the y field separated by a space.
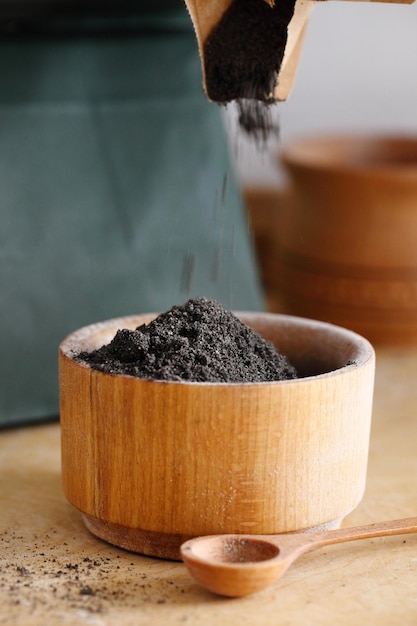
pixel 193 459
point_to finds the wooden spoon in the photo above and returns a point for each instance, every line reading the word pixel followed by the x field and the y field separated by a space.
pixel 238 565
pixel 206 15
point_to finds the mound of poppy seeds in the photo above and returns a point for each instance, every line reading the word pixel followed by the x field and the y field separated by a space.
pixel 199 341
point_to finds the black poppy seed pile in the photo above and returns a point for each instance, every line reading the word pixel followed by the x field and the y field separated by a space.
pixel 199 341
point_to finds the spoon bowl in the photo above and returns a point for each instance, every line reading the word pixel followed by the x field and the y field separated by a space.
pixel 239 565
pixel 224 563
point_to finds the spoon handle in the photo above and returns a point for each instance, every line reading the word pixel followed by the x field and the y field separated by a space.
pixel 379 529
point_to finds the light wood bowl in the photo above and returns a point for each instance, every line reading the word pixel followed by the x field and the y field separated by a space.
pixel 348 243
pixel 151 464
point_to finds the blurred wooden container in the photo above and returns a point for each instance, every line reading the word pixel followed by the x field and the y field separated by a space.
pixel 267 208
pixel 150 464
pixel 346 238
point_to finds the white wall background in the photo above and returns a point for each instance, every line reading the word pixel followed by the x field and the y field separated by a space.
pixel 358 72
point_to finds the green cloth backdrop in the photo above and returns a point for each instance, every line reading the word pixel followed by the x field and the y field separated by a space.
pixel 116 191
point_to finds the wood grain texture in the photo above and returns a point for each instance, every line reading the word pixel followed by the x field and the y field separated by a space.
pixel 167 461
pixel 240 565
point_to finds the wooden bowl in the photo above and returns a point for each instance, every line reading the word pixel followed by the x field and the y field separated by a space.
pixel 348 247
pixel 151 464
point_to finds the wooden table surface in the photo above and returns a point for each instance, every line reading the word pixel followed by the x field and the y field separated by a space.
pixel 52 571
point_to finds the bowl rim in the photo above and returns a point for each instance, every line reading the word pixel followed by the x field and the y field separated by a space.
pixel 354 152
pixel 76 341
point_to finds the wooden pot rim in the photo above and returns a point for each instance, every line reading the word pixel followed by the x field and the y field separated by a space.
pixel 300 339
pixel 374 154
